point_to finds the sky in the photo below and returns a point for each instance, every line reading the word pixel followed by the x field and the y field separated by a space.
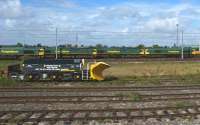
pixel 110 22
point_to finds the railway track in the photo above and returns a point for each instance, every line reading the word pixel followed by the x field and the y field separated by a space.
pixel 70 115
pixel 38 116
pixel 111 98
pixel 101 89
pixel 98 98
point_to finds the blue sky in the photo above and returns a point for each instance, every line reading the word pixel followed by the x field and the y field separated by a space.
pixel 119 21
pixel 87 3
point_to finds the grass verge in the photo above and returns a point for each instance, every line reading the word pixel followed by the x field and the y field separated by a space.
pixel 7 82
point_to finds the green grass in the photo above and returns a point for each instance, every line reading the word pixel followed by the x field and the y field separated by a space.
pixel 5 63
pixel 153 69
pixel 131 95
pixel 7 82
pixel 134 96
pixel 183 104
pixel 144 73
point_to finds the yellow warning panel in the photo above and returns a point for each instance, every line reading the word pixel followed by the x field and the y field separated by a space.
pixel 96 70
pixel 195 52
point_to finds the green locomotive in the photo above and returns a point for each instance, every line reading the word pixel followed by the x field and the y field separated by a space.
pixel 93 52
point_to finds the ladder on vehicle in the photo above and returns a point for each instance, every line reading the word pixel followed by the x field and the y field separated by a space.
pixel 85 73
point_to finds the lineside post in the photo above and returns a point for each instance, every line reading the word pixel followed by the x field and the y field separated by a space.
pixel 56 43
pixel 182 46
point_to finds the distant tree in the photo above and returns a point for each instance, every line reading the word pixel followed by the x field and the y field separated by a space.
pixel 105 46
pixel 113 46
pixel 141 46
pixel 62 46
pixel 68 45
pixel 26 45
pixel 156 46
pixel 174 45
pixel 76 46
pixel 19 45
pixel 39 45
pixel 82 45
pixel 99 45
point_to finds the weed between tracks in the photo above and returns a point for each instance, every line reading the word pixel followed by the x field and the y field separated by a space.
pixel 131 95
pixel 183 104
pixel 134 96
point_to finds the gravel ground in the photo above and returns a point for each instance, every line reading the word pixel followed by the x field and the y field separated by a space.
pixel 152 121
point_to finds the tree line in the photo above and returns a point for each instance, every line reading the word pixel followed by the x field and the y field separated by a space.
pixel 90 46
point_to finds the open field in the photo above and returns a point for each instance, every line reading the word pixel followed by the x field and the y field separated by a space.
pixel 155 71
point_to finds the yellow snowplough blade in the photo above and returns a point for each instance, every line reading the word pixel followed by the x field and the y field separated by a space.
pixel 96 70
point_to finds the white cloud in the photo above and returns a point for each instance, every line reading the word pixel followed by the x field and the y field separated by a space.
pixel 67 3
pixel 10 23
pixel 125 30
pixel 92 16
pixel 10 8
pixel 159 25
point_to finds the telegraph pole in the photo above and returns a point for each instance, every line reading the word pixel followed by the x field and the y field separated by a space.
pixel 182 47
pixel 56 43
pixel 199 46
pixel 23 44
pixel 76 37
pixel 177 34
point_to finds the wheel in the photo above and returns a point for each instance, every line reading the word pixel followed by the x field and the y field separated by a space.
pixel 59 77
pixel 36 77
pixel 28 77
pixel 76 77
pixel 53 77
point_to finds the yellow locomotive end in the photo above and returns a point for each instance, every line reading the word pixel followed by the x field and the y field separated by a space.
pixel 96 70
pixel 195 52
pixel 41 52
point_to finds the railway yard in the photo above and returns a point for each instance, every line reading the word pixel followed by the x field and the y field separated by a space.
pixel 152 93
pixel 99 62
